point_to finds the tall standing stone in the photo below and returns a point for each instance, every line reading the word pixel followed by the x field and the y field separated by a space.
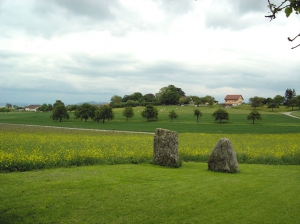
pixel 165 150
pixel 223 157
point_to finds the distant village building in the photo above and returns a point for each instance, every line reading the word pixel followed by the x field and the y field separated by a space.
pixel 233 100
pixel 32 108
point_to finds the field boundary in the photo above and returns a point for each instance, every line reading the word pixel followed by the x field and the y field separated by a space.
pixel 83 129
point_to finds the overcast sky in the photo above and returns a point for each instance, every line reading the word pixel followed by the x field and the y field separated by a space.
pixel 88 50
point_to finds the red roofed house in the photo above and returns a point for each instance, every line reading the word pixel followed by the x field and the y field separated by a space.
pixel 234 99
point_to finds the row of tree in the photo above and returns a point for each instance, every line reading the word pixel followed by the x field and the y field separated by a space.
pixel 82 112
pixel 150 112
pixel 172 95
pixel 290 99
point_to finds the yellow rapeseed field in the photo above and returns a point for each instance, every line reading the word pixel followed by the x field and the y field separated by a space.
pixel 34 147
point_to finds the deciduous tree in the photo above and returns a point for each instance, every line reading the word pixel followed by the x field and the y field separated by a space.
pixel 220 115
pixel 149 97
pixel 293 102
pixel 184 100
pixel 150 113
pixel 278 100
pixel 256 101
pixel 50 107
pixel 197 113
pixel 58 102
pixel 289 94
pixel 173 115
pixel 43 108
pixel 137 96
pixel 104 113
pixel 272 105
pixel 128 112
pixel 254 115
pixel 59 112
pixel 85 111
pixel 115 101
pixel 169 95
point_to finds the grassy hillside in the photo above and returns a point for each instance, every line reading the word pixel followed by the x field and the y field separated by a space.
pixel 272 122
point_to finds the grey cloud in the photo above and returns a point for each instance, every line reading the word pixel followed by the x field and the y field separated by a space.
pixel 50 18
pixel 100 10
pixel 84 77
pixel 59 17
pixel 246 6
pixel 236 15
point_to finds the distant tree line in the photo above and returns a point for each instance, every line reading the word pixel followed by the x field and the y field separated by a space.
pixel 83 112
pixel 290 99
pixel 169 95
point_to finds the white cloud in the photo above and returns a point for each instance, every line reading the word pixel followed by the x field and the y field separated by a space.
pixel 87 50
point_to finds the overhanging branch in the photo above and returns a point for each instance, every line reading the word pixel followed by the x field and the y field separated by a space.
pixel 293 40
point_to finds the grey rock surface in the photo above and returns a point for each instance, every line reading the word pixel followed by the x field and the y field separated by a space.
pixel 165 149
pixel 223 157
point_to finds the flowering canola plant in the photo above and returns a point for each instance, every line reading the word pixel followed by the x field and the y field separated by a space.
pixel 35 147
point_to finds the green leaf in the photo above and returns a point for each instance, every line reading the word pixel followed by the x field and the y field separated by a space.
pixel 288 11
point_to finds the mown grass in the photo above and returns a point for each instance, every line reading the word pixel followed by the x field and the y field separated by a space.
pixel 146 193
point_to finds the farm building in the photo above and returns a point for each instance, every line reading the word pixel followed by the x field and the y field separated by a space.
pixel 31 108
pixel 234 100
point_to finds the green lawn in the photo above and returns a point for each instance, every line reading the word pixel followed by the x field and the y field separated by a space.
pixel 271 123
pixel 146 193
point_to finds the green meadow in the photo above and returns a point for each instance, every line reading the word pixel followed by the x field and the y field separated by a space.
pixel 70 179
pixel 271 123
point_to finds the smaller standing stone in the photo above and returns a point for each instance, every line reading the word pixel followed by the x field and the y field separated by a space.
pixel 223 157
pixel 165 150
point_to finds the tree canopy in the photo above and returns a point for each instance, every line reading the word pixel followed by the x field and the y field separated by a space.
pixel 256 101
pixel 58 102
pixel 254 115
pixel 150 112
pixel 197 113
pixel 128 112
pixel 60 112
pixel 104 113
pixel 173 115
pixel 289 94
pixel 85 111
pixel 170 95
pixel 220 115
